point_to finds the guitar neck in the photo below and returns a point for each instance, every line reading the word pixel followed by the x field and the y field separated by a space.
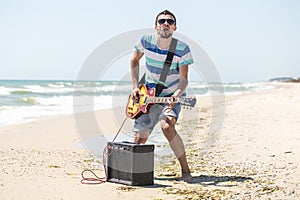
pixel 160 100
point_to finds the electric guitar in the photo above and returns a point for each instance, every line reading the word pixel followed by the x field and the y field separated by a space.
pixel 147 98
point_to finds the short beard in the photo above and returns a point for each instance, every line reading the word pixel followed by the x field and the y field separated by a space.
pixel 163 35
pixel 166 36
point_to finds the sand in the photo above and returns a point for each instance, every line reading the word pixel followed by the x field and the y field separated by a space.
pixel 255 156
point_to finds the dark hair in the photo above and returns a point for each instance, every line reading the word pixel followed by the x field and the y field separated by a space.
pixel 165 12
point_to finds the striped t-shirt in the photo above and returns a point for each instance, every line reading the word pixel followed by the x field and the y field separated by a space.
pixel 155 58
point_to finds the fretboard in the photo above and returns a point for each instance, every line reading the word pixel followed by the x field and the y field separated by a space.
pixel 160 99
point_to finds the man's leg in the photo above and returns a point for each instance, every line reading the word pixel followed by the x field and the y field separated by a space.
pixel 141 137
pixel 145 123
pixel 176 143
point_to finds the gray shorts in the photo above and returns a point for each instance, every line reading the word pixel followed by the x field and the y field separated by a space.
pixel 146 122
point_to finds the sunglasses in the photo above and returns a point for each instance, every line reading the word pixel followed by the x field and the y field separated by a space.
pixel 169 21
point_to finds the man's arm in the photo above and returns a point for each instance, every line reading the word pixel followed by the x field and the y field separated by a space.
pixel 134 70
pixel 183 81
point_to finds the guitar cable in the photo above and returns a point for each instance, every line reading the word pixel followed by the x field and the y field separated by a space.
pixel 96 179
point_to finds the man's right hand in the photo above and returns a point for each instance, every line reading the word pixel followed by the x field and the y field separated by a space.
pixel 135 94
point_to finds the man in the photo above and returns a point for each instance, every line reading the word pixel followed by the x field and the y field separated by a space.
pixel 155 48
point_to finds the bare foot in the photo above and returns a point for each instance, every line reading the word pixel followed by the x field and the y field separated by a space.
pixel 187 177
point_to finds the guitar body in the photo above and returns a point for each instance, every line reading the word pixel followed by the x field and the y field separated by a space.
pixel 147 98
pixel 135 108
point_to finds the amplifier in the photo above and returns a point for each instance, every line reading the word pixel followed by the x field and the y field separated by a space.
pixel 130 163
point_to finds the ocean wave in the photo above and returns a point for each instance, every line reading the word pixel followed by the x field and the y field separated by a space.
pixel 61 84
pixel 42 90
pixel 56 85
pixel 4 108
pixel 56 101
pixel 32 87
pixel 28 101
pixel 195 85
pixel 4 91
pixel 21 92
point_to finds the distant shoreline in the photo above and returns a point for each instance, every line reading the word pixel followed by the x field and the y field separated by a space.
pixel 286 79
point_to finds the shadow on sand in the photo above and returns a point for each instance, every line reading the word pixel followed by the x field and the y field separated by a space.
pixel 212 180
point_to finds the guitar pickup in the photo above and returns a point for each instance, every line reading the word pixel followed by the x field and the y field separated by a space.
pixel 144 103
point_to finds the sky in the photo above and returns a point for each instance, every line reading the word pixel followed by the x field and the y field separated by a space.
pixel 248 41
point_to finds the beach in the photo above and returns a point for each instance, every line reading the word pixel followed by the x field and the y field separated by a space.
pixel 255 155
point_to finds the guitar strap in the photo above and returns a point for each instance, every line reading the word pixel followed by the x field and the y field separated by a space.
pixel 142 81
pixel 167 64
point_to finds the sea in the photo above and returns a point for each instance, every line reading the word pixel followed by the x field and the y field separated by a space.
pixel 27 100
